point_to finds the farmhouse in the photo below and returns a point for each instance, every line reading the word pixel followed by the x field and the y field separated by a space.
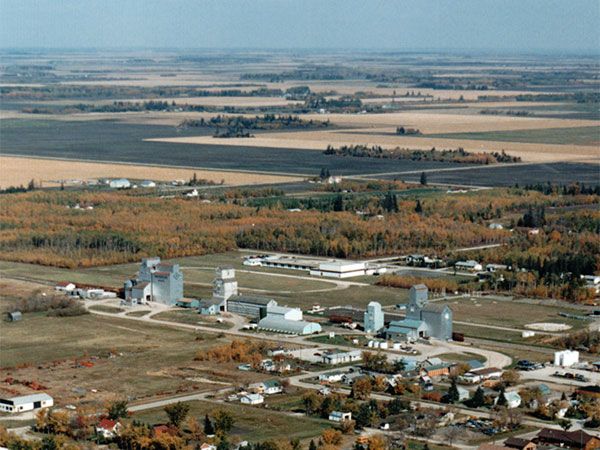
pixel 155 281
pixel 422 319
pixel 25 403
pixel 108 429
pixel 268 387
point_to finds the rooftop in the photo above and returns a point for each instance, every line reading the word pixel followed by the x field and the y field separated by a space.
pixel 262 301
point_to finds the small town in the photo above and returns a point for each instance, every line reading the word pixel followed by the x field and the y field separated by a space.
pixel 300 225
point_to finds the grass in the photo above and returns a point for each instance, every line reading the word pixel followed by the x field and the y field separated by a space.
pixel 130 359
pixel 461 357
pixel 191 317
pixel 574 136
pixel 138 313
pixel 250 423
pixel 105 308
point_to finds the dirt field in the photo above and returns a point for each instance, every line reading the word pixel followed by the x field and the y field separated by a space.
pixel 15 171
pixel 319 140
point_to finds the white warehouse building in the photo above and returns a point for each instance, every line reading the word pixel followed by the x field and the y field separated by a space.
pixel 340 269
pixel 566 358
pixel 26 403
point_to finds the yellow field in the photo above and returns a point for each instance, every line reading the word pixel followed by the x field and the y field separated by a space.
pixel 318 140
pixel 15 171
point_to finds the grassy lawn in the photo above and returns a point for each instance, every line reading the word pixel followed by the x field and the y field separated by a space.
pixel 461 357
pixel 574 136
pixel 105 308
pixel 138 313
pixel 251 423
pixel 340 339
pixel 507 313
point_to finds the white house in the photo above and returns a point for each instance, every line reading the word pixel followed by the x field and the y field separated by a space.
pixel 566 358
pixel 331 377
pixel 252 399
pixel 25 403
pixel 513 399
pixel 339 416
pixel 108 429
pixel 266 387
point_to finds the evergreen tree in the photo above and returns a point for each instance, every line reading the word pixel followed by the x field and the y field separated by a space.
pixel 312 445
pixel 501 398
pixel 418 207
pixel 338 203
pixel 209 428
pixel 478 399
pixel 423 178
pixel 453 395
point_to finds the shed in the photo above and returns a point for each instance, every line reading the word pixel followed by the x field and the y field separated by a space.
pixel 26 403
pixel 14 316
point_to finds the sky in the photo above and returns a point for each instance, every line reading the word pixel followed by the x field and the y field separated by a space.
pixel 502 25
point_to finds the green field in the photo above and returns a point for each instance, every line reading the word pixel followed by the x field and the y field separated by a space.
pixel 191 317
pixel 251 423
pixel 573 136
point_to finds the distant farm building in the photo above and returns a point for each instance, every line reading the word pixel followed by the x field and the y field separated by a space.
pixel 120 183
pixel 341 357
pixel 25 403
pixel 14 316
pixel 253 307
pixel 340 269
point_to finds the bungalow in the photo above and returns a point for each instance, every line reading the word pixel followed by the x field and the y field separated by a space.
pixel 513 399
pixel 339 416
pixel 252 399
pixel 571 439
pixel 520 444
pixel 331 377
pixel 266 387
pixel 108 429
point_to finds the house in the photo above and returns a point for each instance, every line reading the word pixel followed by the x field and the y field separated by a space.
pixel 64 286
pixel 14 316
pixel 488 446
pixel 571 439
pixel 592 282
pixel 513 399
pixel 107 428
pixel 477 375
pixel 119 183
pixel 463 394
pixel 468 266
pixel 566 358
pixel 26 403
pixel 339 416
pixel 207 446
pixel 349 378
pixel 268 387
pixel 495 267
pixel 422 318
pixel 252 399
pixel 374 318
pixel 331 377
pixel 520 444
pixel 341 357
pixel 156 281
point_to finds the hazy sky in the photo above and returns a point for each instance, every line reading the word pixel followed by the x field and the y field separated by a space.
pixel 521 25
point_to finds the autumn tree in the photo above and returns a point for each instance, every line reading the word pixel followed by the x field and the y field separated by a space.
pixel 177 413
pixel 361 388
pixel 510 377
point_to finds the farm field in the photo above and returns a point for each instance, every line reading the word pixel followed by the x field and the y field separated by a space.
pixel 575 135
pixel 18 171
pixel 501 175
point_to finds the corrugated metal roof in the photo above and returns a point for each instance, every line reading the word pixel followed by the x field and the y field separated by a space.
pixel 29 399
pixel 262 301
pixel 276 323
